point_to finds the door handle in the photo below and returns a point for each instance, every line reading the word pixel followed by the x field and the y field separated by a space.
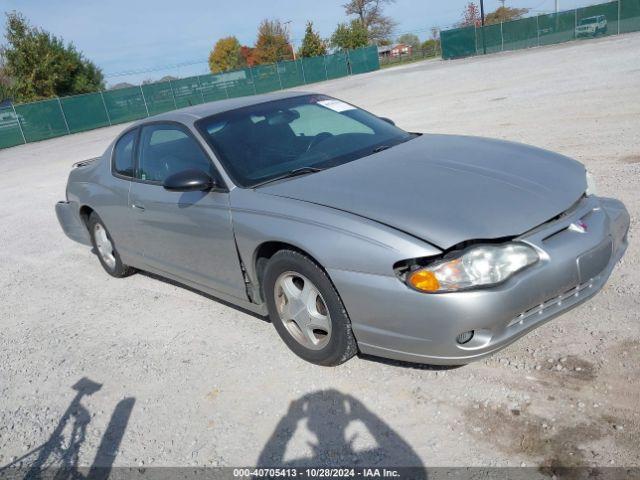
pixel 137 206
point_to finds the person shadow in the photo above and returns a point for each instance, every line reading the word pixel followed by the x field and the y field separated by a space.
pixel 340 432
pixel 58 457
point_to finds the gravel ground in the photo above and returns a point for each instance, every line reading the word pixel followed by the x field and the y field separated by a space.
pixel 183 380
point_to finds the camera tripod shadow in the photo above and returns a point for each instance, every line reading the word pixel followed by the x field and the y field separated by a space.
pixel 345 431
pixel 58 456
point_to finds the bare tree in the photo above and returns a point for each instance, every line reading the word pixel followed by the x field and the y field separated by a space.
pixel 369 12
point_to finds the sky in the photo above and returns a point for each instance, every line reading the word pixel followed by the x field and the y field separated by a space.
pixel 134 40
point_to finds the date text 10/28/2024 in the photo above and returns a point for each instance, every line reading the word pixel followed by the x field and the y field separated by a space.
pixel 316 472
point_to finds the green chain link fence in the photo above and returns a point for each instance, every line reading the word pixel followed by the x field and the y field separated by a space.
pixel 35 121
pixel 612 18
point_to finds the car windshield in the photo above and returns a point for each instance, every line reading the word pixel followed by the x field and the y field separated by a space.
pixel 295 135
pixel 587 21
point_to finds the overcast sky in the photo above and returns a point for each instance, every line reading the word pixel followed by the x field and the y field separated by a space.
pixel 127 35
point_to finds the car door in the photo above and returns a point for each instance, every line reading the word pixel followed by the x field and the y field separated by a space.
pixel 111 199
pixel 188 235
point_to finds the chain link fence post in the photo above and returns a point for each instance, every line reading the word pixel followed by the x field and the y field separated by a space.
pixel 278 74
pixel 501 38
pixel 224 84
pixel 475 36
pixel 173 94
pixel 64 117
pixel 200 88
pixel 304 79
pixel 144 100
pixel 619 16
pixel 538 27
pixel 24 139
pixel 324 62
pixel 252 80
pixel 575 22
pixel 106 110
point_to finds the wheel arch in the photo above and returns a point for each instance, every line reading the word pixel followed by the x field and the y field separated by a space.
pixel 85 212
pixel 268 249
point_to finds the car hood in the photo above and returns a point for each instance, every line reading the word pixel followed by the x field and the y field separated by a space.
pixel 447 189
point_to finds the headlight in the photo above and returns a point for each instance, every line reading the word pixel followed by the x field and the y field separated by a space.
pixel 483 265
pixel 592 188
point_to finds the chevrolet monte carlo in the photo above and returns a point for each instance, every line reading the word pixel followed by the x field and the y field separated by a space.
pixel 350 233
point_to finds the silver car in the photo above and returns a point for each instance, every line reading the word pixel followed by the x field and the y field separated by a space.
pixel 351 234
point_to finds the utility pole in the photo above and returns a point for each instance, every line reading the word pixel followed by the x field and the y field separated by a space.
pixel 557 6
pixel 293 50
pixel 484 43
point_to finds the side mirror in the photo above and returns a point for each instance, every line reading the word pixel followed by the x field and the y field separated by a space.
pixel 189 181
pixel 388 120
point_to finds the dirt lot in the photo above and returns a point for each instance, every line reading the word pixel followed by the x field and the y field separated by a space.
pixel 189 381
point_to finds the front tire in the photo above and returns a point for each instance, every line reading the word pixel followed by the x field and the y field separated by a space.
pixel 306 310
pixel 106 250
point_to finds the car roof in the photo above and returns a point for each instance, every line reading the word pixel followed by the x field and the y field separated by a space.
pixel 196 112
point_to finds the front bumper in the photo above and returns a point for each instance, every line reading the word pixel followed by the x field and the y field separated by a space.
pixel 68 215
pixel 393 321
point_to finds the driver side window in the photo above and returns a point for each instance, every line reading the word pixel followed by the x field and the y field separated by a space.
pixel 168 149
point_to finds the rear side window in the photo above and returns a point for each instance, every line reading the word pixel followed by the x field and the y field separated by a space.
pixel 123 154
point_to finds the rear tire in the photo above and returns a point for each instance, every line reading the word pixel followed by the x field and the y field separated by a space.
pixel 105 249
pixel 306 310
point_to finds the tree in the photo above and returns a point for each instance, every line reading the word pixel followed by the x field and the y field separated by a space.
pixel 6 91
pixel 470 16
pixel 505 14
pixel 369 12
pixel 312 43
pixel 431 47
pixel 349 36
pixel 248 54
pixel 410 39
pixel 273 44
pixel 225 55
pixel 40 65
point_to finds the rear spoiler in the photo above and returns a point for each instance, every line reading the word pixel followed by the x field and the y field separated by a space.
pixel 84 163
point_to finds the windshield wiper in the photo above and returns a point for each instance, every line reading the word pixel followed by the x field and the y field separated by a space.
pixel 291 173
pixel 381 148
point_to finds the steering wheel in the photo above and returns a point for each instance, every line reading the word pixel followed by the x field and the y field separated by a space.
pixel 321 137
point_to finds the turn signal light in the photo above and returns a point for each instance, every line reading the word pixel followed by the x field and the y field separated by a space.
pixel 424 280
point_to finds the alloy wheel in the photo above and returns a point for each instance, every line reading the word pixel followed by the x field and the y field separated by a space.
pixel 302 310
pixel 104 246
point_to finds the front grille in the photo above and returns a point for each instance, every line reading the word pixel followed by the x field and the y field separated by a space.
pixel 556 301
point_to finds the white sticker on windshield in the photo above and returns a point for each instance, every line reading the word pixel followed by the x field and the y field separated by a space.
pixel 336 105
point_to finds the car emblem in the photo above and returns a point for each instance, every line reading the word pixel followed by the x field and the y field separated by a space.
pixel 579 227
